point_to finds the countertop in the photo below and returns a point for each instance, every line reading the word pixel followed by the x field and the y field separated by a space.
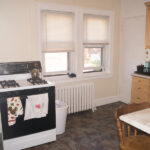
pixel 141 75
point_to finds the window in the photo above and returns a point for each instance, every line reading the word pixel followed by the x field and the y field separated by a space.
pixel 58 41
pixel 95 41
pixel 56 62
pixel 76 40
pixel 93 59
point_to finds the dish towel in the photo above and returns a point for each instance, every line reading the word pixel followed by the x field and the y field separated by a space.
pixel 36 106
pixel 15 109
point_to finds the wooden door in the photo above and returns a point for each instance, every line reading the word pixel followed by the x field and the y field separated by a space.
pixel 147 31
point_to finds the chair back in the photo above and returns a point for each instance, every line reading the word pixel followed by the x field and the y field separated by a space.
pixel 124 129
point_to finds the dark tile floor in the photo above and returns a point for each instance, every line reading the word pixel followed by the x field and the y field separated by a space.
pixel 88 131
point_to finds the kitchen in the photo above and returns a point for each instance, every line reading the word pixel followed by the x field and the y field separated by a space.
pixel 20 42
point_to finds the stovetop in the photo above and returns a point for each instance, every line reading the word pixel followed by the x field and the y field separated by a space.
pixel 12 85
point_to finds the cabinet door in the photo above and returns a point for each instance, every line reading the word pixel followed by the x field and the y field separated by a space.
pixel 140 89
pixel 147 31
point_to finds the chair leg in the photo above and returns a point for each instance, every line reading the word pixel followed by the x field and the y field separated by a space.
pixel 135 132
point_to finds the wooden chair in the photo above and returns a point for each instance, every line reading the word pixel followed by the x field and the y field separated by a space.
pixel 130 140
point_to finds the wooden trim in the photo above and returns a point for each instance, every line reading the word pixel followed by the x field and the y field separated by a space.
pixel 123 131
pixel 135 132
pixel 129 130
pixel 147 46
pixel 147 3
pixel 120 131
pixel 147 31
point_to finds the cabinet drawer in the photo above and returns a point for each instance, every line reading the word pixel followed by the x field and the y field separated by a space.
pixel 140 88
pixel 137 99
pixel 139 96
pixel 140 82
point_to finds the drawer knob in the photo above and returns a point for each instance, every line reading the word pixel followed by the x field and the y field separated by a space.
pixel 138 97
pixel 139 88
pixel 139 80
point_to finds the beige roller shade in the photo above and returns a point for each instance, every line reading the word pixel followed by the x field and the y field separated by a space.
pixel 58 31
pixel 96 29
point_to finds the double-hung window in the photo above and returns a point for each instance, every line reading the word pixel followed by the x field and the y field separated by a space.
pixel 95 41
pixel 76 40
pixel 57 41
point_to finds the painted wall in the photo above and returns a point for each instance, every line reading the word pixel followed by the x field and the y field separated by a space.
pixel 18 38
pixel 132 52
pixel 17 28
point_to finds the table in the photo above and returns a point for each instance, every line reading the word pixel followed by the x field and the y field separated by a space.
pixel 138 119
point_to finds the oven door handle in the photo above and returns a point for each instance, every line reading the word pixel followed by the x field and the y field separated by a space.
pixel 24 97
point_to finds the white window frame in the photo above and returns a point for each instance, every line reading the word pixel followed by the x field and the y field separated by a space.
pixel 72 55
pixel 77 60
pixel 108 52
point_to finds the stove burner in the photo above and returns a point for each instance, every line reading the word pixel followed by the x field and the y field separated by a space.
pixel 35 81
pixel 9 84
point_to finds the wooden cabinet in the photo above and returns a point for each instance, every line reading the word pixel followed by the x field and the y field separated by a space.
pixel 147 31
pixel 140 89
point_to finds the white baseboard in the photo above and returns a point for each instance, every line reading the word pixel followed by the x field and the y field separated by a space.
pixel 108 100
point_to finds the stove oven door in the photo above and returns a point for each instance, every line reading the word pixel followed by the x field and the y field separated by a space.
pixel 21 127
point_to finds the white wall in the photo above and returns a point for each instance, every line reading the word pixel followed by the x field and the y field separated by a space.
pixel 132 52
pixel 18 35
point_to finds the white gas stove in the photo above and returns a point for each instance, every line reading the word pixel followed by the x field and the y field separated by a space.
pixel 16 80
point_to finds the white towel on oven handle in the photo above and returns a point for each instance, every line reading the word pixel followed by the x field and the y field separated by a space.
pixel 36 106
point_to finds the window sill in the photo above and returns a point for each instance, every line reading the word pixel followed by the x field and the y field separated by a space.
pixel 86 76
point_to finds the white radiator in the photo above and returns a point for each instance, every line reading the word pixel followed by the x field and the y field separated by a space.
pixel 79 97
